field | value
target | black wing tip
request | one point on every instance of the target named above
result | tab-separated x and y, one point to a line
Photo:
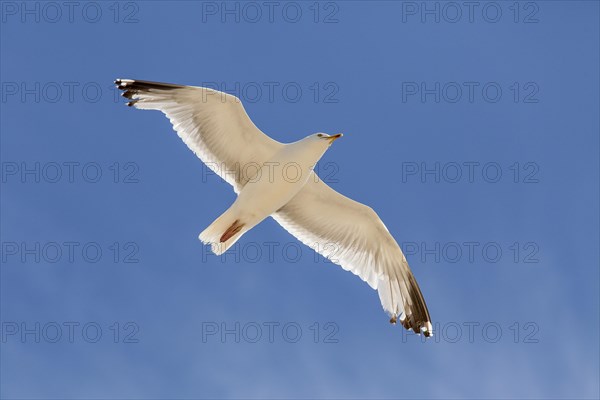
418	327
131	87
416	315
140	85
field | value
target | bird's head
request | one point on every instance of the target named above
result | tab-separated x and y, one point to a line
309	150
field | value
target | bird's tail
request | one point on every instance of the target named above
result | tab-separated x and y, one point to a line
224	232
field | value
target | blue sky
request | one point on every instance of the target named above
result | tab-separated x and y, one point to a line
472	131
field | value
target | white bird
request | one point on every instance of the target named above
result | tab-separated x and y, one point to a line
276	179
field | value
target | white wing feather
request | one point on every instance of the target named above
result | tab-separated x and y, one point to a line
352	235
213	124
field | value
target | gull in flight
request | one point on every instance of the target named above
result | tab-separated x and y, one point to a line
215	126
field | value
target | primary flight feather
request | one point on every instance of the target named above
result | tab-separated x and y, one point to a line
215	126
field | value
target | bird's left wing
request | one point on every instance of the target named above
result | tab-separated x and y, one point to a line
213	124
352	235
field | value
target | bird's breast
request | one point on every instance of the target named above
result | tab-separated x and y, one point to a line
275	184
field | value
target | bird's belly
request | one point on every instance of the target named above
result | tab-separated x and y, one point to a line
273	187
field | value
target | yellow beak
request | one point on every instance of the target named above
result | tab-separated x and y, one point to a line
334	137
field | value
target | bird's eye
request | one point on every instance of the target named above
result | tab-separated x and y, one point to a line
319	135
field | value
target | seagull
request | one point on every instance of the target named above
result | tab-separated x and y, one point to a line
277	179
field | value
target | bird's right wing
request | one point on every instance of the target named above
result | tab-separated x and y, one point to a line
213	124
352	235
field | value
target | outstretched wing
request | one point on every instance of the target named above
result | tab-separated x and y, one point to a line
213	124
352	235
